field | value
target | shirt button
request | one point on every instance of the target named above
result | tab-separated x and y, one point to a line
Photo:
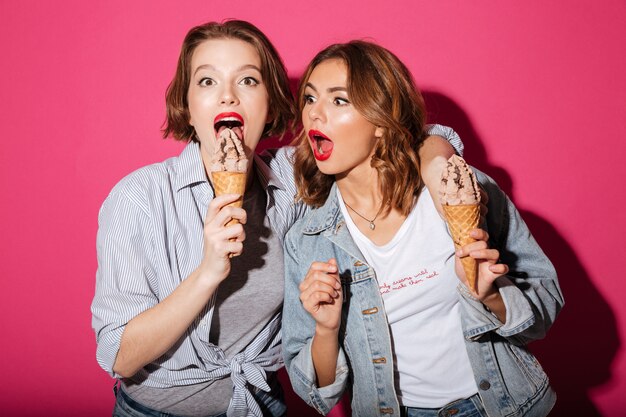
484	385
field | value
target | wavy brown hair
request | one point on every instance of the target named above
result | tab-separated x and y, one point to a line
281	103
381	88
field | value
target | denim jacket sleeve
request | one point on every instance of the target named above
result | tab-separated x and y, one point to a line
530	290
298	331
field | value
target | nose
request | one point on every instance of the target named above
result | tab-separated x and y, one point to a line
315	111
228	96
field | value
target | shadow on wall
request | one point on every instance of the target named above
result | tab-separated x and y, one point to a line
579	349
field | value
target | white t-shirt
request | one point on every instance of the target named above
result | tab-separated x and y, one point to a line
415	273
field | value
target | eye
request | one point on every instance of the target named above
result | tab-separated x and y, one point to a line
206	81
249	81
340	101
309	99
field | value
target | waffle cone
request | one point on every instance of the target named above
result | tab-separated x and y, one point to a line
461	219
227	182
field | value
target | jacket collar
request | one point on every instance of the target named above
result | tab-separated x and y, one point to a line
328	221
328	216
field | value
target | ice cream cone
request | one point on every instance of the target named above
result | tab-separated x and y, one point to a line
227	182
461	219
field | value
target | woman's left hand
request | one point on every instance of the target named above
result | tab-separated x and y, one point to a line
488	268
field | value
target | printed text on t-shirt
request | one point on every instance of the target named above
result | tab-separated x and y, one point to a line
416	279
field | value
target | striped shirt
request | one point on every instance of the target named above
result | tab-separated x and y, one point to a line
150	238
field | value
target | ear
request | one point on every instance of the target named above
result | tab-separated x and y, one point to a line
378	133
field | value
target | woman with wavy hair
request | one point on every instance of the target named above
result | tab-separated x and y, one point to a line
375	297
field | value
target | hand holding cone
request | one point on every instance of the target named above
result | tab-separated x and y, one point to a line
460	198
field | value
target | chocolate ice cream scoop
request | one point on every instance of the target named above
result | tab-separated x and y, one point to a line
229	154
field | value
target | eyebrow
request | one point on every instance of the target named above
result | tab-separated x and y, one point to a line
330	90
241	68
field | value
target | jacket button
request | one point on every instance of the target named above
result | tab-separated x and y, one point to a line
380	360
372	310
358	263
484	385
386	410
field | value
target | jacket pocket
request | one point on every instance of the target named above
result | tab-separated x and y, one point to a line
521	372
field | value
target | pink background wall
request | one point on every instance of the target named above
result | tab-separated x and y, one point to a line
536	89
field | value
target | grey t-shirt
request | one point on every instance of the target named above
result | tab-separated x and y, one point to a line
246	301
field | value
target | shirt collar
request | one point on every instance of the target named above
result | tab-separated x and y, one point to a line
189	169
262	165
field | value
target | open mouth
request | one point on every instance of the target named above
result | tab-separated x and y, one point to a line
321	144
232	121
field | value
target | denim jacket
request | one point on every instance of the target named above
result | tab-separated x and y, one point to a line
510	380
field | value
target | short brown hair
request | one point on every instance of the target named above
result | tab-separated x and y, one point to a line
381	88
281	105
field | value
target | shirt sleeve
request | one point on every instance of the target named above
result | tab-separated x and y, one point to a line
125	279
448	134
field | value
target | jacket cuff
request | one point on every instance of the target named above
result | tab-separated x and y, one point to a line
478	320
519	312
325	398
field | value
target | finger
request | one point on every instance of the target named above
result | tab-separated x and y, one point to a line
314	277
499	269
313	300
324	267
485	255
315	297
219	202
465	250
227	214
319	286
479	234
234	233
233	248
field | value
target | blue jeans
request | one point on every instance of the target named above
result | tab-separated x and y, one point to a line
469	407
272	403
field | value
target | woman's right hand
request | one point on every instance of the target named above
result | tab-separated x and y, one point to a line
221	242
321	294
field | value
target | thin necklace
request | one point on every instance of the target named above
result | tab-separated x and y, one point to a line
372	225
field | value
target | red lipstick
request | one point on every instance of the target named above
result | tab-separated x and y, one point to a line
320	143
228	115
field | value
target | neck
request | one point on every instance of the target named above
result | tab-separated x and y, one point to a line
361	191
